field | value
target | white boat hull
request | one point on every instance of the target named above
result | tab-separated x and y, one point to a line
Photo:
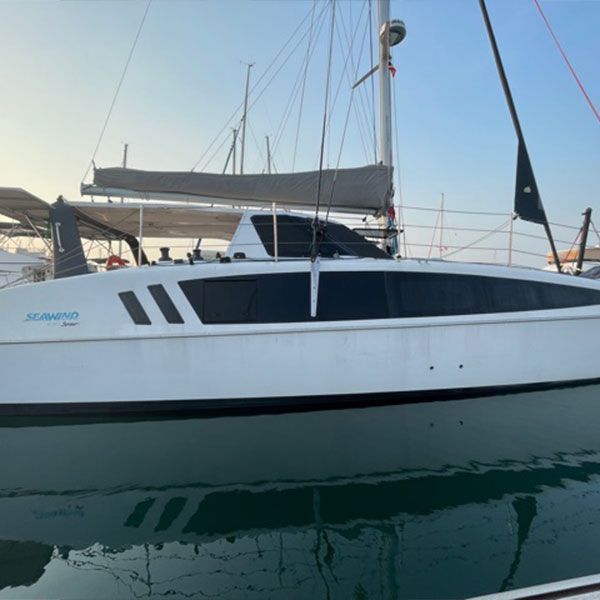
94	358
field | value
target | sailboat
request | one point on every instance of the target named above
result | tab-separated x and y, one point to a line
299	312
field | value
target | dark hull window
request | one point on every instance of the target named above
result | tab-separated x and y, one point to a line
134	308
285	297
162	298
294	238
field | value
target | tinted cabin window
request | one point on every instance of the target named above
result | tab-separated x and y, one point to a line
233	301
345	296
432	295
294	238
285	298
512	295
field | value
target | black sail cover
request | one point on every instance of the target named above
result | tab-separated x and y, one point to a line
362	189
528	203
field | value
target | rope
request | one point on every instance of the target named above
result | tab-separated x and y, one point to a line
567	61
114	100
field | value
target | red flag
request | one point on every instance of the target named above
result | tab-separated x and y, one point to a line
391	68
392	213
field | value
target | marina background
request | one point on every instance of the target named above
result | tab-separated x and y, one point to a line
454	130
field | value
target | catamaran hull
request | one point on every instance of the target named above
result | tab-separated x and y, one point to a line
109	343
287	368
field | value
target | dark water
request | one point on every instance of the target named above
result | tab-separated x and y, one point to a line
440	500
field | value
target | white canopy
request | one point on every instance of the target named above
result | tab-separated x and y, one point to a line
99	219
105	220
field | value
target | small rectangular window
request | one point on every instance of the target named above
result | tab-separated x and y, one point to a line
352	296
230	301
162	298
134	308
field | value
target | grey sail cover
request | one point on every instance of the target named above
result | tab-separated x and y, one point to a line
363	189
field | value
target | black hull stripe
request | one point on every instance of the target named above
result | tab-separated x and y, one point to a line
254	406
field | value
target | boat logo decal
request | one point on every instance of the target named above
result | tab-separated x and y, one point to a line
65	319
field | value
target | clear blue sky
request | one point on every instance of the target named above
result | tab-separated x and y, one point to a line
61	62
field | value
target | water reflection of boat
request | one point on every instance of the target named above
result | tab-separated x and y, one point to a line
306	502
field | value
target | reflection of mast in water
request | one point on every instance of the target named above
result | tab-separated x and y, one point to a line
526	512
213	506
364	539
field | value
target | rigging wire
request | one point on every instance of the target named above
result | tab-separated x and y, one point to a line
287	112
361	119
258	147
258	81
400	215
372	56
349	54
324	130
487	235
595	230
114	100
350	104
307	59
567	61
437	220
285	61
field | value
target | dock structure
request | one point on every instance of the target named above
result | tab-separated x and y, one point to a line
581	588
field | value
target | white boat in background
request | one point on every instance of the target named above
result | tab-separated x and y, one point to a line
22	266
298	312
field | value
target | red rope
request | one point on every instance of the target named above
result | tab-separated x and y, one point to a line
567	60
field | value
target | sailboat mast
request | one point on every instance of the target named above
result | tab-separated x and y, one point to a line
245	117
390	33
385	100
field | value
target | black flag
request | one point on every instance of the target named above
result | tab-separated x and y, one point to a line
528	203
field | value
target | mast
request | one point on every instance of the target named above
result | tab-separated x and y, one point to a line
125	149
385	101
584	234
441	222
268	155
390	34
528	202
245	117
